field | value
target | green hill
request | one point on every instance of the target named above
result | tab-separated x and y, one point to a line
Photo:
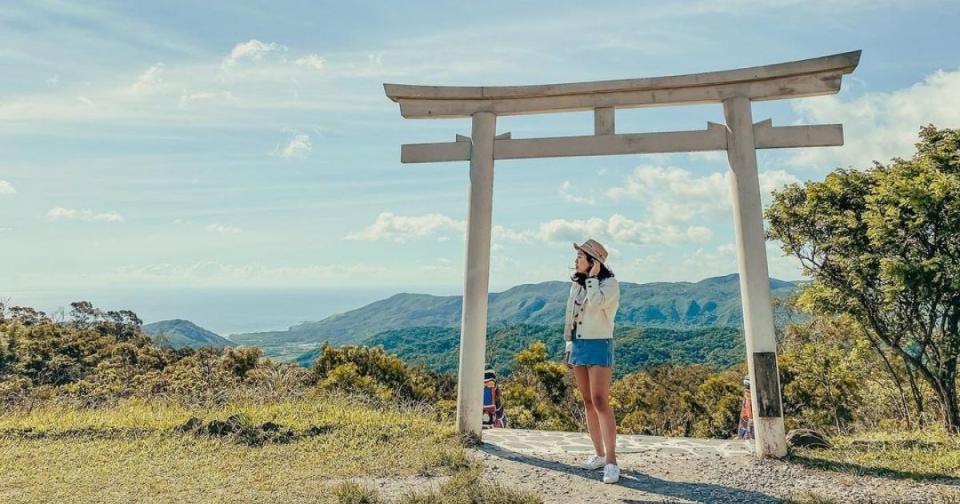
180	333
671	305
437	348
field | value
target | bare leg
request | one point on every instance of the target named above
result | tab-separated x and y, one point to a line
593	424
600	379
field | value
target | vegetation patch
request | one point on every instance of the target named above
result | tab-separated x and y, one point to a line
932	455
240	429
469	487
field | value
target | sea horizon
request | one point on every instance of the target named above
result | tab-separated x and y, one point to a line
223	310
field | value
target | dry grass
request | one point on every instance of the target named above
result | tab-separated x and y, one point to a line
132	453
930	455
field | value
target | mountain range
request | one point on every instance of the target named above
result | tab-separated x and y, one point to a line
670	305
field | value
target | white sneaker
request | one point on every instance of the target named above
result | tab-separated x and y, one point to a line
595	462
611	473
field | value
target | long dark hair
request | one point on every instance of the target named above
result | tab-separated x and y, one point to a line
581	278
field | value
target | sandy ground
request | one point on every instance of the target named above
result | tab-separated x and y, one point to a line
655	476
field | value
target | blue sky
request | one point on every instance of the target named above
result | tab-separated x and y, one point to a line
247	145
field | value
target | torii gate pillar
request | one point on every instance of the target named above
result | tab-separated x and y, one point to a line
473	328
754	280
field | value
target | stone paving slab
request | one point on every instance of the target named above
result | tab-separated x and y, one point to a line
537	441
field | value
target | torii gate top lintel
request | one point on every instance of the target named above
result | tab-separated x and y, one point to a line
794	79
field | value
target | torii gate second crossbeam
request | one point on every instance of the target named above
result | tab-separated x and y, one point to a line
740	137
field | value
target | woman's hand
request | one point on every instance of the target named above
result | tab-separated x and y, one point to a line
595	270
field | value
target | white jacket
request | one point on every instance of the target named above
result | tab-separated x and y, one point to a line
599	310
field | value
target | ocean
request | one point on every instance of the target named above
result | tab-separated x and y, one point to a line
223	311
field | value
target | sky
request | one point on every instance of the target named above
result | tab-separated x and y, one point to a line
250	145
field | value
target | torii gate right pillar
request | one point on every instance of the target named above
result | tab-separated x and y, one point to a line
758	329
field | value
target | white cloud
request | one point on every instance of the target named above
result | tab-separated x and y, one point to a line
774	180
298	147
254	79
204	97
502	233
879	126
699	233
567	194
150	81
222	229
6	187
312	61
562	230
719	260
673	195
53	81
702	262
252	50
399	228
646	267
60	213
722	260
617	228
621	229
614	253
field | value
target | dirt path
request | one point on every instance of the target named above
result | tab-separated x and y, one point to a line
680	470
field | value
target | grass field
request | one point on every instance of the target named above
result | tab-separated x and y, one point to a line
910	455
134	453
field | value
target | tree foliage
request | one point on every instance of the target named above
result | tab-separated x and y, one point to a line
97	357
376	373
883	246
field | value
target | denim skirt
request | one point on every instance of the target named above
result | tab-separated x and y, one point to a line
592	352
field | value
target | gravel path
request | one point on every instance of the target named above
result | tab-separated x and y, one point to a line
655	470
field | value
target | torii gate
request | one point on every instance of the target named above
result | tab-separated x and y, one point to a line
740	137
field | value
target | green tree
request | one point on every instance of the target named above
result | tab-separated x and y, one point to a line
367	365
883	245
719	400
824	367
242	360
662	401
540	394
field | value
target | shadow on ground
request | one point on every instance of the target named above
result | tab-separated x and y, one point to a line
636	480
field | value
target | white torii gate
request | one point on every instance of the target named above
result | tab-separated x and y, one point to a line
740	137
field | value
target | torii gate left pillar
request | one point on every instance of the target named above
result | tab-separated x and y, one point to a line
473	325
740	137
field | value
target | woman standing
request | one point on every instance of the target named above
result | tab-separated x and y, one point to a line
588	329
